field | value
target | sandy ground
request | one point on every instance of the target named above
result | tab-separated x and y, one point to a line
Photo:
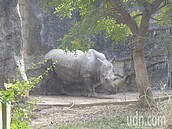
67	109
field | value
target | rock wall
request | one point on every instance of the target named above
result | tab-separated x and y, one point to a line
40	30
31	27
10	41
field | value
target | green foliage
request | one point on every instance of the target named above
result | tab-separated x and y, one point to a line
69	43
98	15
21	115
137	19
165	17
17	92
93	19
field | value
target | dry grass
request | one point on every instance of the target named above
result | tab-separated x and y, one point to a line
166	108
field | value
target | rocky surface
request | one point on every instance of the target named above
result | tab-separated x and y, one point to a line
40	30
10	41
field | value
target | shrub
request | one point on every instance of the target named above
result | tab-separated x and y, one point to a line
16	93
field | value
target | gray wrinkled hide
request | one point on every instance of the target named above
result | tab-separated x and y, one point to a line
77	66
71	66
10	41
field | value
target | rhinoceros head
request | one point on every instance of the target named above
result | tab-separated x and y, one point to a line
107	78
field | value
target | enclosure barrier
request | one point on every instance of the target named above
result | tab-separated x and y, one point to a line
5	115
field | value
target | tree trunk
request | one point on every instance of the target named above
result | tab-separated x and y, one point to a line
170	69
142	79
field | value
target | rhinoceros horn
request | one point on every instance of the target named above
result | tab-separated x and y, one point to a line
120	81
111	61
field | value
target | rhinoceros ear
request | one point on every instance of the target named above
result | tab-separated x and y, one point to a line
111	61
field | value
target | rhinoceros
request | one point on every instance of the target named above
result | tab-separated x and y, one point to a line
90	68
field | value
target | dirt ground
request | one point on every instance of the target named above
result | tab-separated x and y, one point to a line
68	109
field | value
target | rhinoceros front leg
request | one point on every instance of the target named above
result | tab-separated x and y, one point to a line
44	84
62	90
89	88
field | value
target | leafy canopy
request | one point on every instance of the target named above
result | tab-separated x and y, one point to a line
165	17
103	15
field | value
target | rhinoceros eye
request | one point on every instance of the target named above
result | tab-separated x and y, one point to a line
114	79
107	78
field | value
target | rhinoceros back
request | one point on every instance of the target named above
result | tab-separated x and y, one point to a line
68	64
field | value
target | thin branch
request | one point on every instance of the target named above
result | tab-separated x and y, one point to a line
154	6
151	65
164	5
148	67
155	19
128	20
97	24
111	13
137	15
118	18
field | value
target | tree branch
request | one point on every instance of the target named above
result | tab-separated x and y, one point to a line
128	20
154	6
148	67
118	18
164	5
137	15
152	65
149	10
155	19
